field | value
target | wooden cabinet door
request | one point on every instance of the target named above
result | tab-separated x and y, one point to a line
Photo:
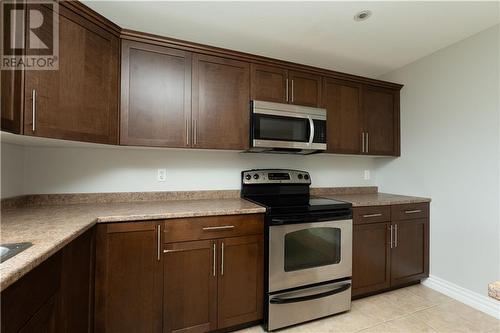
381	121
370	258
410	254
268	83
128	278
221	103
305	89
77	285
342	101
190	287
155	96
79	101
44	320
240	280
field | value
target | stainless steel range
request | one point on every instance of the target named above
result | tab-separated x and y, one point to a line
308	248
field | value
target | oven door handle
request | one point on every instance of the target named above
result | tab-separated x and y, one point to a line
277	300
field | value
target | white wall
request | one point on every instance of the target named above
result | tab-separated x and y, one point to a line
450	152
76	170
12	170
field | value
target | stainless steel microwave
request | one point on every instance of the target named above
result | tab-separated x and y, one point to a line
287	128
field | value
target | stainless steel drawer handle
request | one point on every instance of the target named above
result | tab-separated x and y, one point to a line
392	234
33	109
413	211
158	242
213	258
222	259
176	250
396	235
278	300
372	215
222	227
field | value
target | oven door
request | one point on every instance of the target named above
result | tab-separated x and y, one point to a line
306	253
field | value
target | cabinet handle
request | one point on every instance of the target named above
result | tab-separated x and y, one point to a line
362	142
158	242
222	227
222	259
213	258
195	139
286	90
413	211
367	143
396	235
187	131
292	92
391	235
33	109
372	215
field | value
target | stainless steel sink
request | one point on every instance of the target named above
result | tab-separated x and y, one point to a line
9	250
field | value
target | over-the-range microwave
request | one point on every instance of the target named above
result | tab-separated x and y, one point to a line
287	128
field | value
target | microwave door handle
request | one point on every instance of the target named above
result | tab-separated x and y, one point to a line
311	131
277	300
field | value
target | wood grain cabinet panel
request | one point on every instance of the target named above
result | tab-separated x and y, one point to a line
305	88
79	101
342	101
410	254
268	83
128	278
381	121
221	97
371	214
155	96
371	265
240	283
190	287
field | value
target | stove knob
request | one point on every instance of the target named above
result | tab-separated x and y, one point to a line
248	177
306	177
300	176
256	176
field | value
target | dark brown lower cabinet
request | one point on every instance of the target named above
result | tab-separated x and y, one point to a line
128	278
190	287
391	253
56	296
371	266
410	254
240	280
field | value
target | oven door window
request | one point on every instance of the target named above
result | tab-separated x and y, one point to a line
312	247
278	128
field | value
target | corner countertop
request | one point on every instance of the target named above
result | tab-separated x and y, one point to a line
50	228
376	199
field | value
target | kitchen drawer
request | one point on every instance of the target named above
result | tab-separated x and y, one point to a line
410	211
371	214
212	227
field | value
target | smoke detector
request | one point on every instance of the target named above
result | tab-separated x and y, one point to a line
362	15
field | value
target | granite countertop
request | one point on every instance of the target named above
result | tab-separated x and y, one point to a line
50	228
376	199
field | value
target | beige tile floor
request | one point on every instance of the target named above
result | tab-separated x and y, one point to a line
412	309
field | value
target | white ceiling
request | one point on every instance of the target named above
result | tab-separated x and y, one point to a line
321	34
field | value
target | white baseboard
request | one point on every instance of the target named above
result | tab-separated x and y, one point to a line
477	301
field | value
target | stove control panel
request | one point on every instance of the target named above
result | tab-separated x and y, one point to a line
275	176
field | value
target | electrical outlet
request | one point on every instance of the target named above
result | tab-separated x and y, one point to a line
366	175
162	175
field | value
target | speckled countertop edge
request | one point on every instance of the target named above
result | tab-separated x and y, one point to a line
53	227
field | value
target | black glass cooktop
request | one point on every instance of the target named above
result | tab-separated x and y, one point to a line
297	203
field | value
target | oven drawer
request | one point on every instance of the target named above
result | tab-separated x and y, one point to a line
410	211
212	227
302	305
371	214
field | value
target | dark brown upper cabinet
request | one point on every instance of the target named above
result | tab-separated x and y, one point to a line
381	132
268	83
305	88
276	84
79	101
155	96
221	96
342	101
